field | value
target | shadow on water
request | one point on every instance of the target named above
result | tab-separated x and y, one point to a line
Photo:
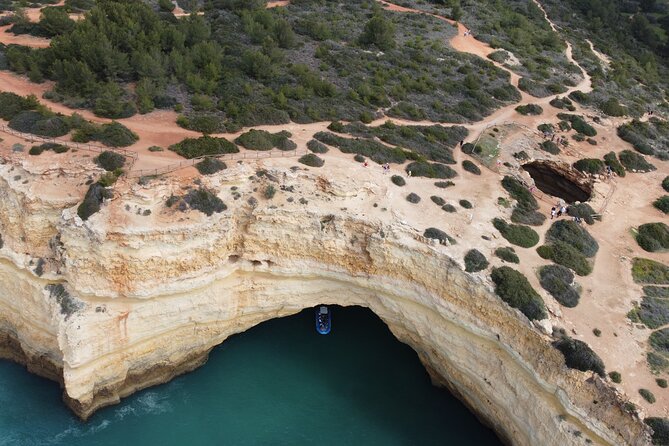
280	383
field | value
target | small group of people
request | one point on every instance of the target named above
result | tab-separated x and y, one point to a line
386	168
468	33
559	210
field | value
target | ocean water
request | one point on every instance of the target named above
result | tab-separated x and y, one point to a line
279	383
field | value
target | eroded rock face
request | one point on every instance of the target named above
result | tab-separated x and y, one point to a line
142	304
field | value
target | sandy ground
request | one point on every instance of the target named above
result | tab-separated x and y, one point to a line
608	292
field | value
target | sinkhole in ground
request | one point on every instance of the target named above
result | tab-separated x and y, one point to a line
552	180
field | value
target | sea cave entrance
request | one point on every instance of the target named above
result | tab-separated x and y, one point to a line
559	182
279	382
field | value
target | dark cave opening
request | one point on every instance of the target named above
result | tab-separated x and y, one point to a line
551	181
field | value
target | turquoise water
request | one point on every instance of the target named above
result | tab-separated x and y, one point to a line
279	383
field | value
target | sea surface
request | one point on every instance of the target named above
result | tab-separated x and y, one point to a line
280	383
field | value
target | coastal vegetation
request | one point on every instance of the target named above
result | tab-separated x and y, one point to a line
653	237
519	235
514	289
559	282
311	160
210	166
203	146
438	234
578	355
475	261
507	254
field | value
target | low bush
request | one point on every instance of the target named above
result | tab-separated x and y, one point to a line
530	109
270	192
438	234
550	147
647	395
376	151
611	160
514	289
430	170
57	148
656	291
589	165
578	355
413	198
612	107
438	200
317	146
115	134
205	145
92	200
444	184
662	204
475	261
653	237
646	271
563	103
471	167
311	160
110	161
205	201
525	216
519	235
578	123
397	180
359	158
566	255
12	104
507	255
264	140
665	183
634	162
583	211
659	340
155	149
615	377
558	281
210	166
661	382
657	363
519	192
449	208
465	204
521	156
572	233
653	312
660	428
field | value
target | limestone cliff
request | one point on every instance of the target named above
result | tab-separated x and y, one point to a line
127	301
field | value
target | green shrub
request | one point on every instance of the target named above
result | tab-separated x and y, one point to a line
572	233
116	134
550	147
589	165
270	192
92	200
311	160
155	149
398	180
475	261
612	107
660	428
317	146
57	148
566	255
471	167
12	104
656	362
562	103
615	377
584	211
210	166
578	355
656	291
507	255
611	160
525	216
465	204
515	290
437	234
530	109
263	140
578	124
558	281
110	161
519	192
39	123
647	395
633	161
661	382
438	200
521	156
413	198
205	145
430	170
662	204
449	208
374	150
665	183
653	237
359	158
597	332
205	201
519	235
646	271
444	184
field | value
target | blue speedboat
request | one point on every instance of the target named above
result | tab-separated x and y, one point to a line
323	319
